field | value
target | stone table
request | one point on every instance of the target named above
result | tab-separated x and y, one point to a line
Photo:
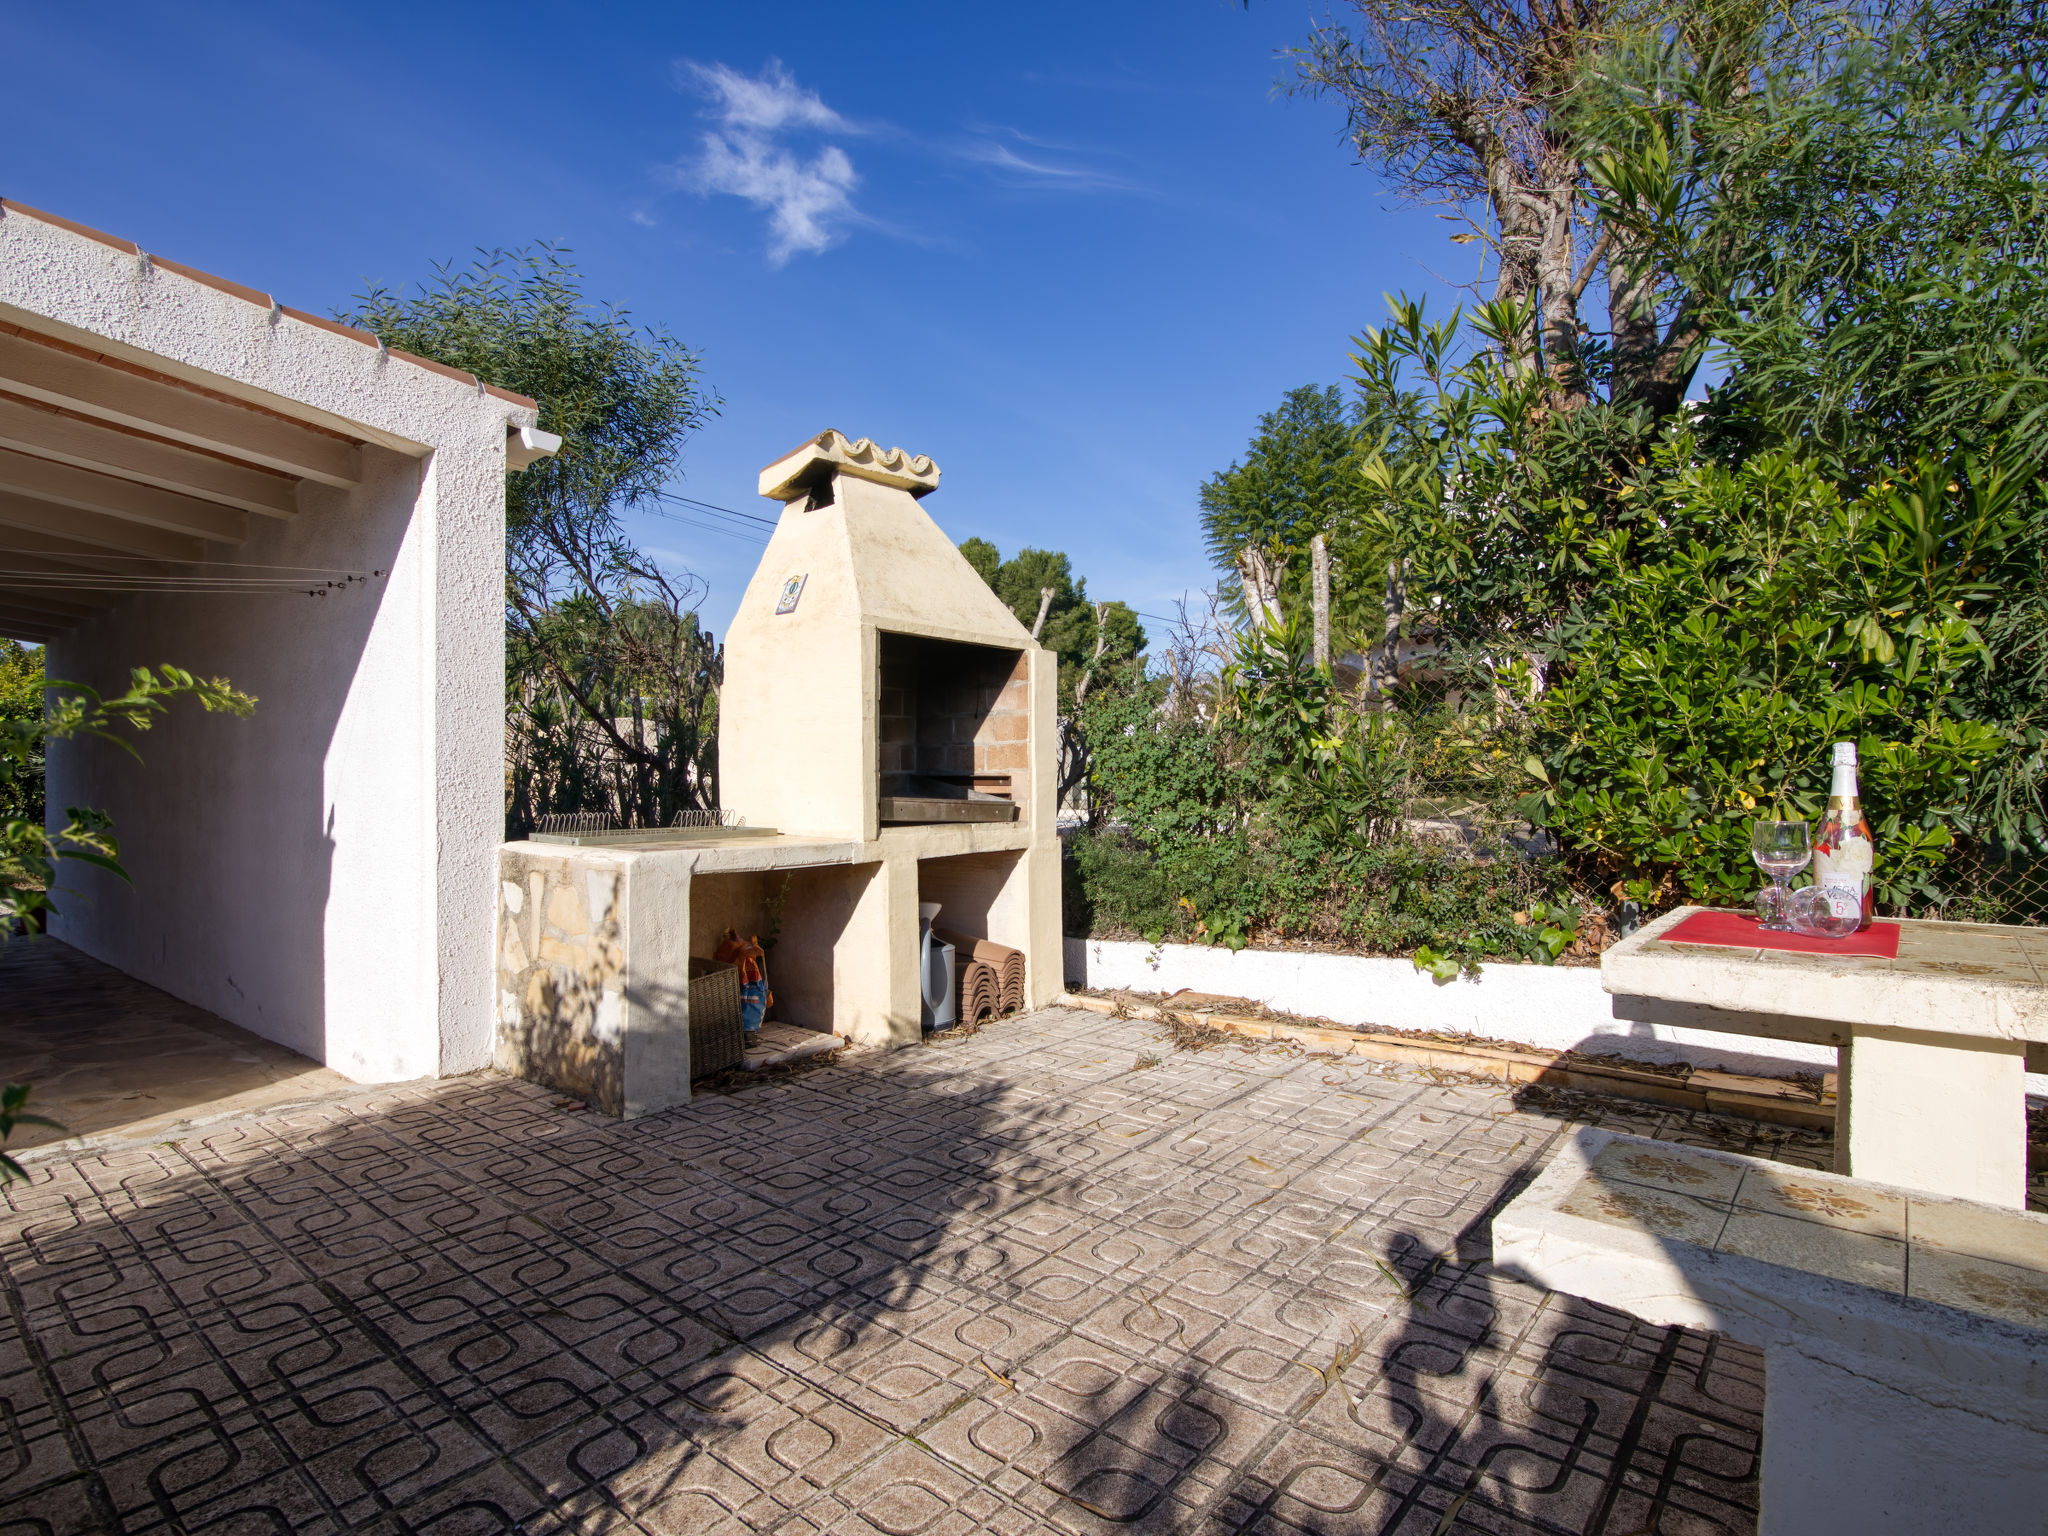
1935	1043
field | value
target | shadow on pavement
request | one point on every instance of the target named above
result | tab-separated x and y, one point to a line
1018	1281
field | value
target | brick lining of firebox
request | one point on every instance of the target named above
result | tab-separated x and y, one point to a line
956	712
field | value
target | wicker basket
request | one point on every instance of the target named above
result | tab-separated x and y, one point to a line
715	1043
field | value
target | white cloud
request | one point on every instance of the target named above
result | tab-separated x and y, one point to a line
808	199
1004	160
768	102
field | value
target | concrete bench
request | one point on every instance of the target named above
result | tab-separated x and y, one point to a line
1905	1335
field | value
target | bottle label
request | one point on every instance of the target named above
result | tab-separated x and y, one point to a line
1843	875
1844	896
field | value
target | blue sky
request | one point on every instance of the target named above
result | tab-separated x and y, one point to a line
1069	250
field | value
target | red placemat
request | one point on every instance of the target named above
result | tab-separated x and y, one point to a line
1738	930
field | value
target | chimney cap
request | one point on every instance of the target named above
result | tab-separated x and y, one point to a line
830	453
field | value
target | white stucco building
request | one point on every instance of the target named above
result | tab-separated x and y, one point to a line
323	873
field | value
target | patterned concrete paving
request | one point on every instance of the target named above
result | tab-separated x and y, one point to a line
113	1059
1024	1281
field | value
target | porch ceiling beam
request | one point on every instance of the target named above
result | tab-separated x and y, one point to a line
82	557
57	615
69	486
96	528
95	387
28	624
68	440
72	606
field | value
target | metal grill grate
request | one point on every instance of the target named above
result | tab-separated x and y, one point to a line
576	821
708	819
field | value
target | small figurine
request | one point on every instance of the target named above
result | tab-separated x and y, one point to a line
755	998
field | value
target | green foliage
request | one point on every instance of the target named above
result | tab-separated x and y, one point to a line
612	684
624	399
1071	628
1276	821
1638	623
29	853
652	672
1489	497
21	701
1746	621
13	1112
1299	478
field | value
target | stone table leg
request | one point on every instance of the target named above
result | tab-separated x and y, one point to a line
1943	1113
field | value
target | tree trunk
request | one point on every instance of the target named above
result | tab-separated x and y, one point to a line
1319	555
1559	294
1044	607
1385	664
1631	318
1259	574
1519	241
1095	660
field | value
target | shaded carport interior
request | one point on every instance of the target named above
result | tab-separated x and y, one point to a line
143	497
116	477
116	472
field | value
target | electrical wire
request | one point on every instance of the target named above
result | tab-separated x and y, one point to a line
712	506
746	534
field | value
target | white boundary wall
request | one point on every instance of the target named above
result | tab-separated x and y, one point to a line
1558	1007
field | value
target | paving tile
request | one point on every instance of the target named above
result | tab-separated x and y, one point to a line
63	1508
1174	1299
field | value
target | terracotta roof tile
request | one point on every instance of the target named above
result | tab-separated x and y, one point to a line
238	290
257	297
73	225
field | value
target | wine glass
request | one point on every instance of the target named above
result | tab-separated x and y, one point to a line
1813	914
1781	849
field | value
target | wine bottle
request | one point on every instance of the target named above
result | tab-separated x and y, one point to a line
1843	853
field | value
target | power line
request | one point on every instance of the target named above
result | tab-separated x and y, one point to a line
712	506
746	534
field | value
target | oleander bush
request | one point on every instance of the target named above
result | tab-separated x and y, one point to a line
1630	625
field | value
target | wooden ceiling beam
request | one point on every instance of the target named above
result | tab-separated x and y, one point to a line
30	628
68	605
46	434
96	528
82	557
92	386
69	486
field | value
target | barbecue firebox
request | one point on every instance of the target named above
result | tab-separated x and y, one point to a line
885	714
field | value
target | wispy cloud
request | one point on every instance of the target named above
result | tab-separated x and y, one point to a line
777	144
808	198
1038	168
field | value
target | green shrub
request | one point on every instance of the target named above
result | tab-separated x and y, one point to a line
1747	620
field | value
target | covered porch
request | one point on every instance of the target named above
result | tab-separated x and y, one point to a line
193	473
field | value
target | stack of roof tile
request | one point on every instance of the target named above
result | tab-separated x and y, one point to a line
1005	962
981	992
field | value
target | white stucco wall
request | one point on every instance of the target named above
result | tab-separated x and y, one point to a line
1557	1007
324	873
